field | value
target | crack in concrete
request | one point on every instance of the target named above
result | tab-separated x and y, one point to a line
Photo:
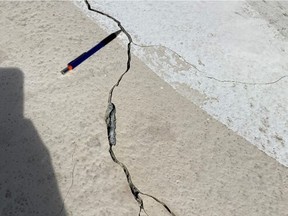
128	46
210	77
248	83
110	119
72	180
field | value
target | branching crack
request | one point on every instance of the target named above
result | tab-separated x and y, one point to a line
111	123
210	77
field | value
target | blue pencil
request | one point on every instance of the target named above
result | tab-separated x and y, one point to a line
73	64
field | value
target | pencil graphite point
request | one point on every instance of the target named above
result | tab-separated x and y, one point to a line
64	71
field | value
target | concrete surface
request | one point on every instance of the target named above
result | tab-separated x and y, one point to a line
227	57
173	149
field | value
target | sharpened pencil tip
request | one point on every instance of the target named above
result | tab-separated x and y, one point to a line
118	32
65	70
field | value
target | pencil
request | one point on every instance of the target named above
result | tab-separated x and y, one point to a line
77	61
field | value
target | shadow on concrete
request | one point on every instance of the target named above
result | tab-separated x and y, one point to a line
28	185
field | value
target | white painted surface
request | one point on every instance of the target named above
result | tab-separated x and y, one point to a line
205	44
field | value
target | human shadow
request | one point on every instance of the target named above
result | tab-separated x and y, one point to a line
28	185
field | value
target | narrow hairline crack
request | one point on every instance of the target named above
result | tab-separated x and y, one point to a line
210	77
192	65
72	180
110	118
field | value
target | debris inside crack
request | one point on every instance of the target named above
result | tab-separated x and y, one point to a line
111	123
110	119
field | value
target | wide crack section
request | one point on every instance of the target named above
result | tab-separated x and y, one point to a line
110	119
